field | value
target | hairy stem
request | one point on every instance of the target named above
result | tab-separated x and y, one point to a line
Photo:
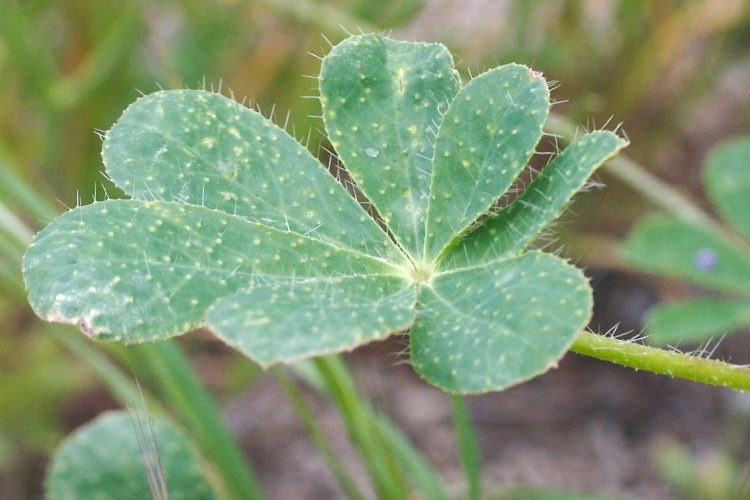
675	364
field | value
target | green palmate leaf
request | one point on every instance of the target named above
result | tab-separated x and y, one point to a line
694	254
237	227
492	326
196	147
485	140
383	101
727	179
130	271
696	320
509	231
288	321
105	459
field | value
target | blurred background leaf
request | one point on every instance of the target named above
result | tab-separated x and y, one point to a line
716	259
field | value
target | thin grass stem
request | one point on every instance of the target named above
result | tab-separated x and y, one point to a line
295	397
468	446
384	471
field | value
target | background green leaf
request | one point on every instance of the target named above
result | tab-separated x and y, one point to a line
103	460
695	320
673	247
382	103
727	178
489	327
283	322
484	141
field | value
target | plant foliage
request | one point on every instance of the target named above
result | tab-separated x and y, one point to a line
233	225
107	459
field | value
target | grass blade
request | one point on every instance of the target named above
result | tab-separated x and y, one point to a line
295	397
468	446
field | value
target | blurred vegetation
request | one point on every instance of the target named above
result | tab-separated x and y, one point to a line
675	72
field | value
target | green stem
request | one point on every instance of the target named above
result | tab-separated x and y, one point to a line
412	462
120	385
17	190
12	225
180	386
320	14
675	364
380	464
415	466
11	282
468	446
658	191
295	397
